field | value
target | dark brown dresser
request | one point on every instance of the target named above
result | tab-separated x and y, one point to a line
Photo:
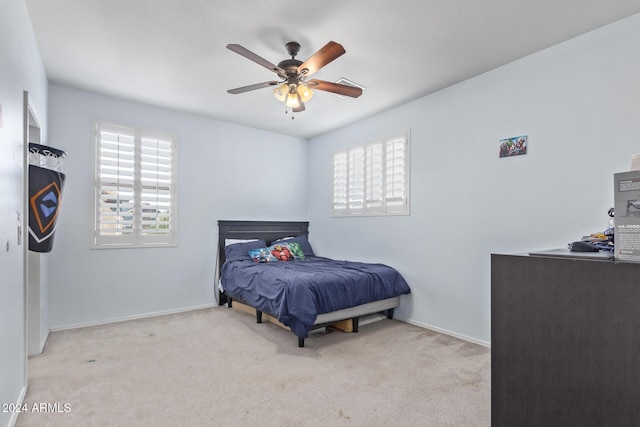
565	341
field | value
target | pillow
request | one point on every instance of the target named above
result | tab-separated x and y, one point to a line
261	255
302	240
281	251
241	250
295	249
228	242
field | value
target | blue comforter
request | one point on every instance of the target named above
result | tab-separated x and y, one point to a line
297	291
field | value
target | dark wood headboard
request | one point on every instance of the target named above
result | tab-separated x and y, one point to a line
265	230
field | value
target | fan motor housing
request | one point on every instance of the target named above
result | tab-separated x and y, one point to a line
293	48
290	65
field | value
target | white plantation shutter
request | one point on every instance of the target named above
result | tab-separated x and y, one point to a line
116	167
155	195
356	179
135	187
396	169
375	178
372	179
340	182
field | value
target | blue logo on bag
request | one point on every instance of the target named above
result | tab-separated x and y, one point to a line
47	202
48	209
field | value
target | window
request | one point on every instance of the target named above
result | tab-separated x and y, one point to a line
135	187
372	179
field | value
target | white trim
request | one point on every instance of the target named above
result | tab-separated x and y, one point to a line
213	305
43	341
14	415
444	331
134	317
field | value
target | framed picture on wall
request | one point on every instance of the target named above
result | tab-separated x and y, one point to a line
514	146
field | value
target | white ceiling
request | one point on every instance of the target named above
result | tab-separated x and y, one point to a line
172	53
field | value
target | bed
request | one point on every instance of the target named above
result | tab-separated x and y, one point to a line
301	290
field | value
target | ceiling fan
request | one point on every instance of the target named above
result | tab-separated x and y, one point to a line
294	89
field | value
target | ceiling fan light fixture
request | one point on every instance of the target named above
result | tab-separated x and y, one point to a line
293	100
281	92
293	89
305	93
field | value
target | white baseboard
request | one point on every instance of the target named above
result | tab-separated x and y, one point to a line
199	307
444	331
134	317
43	341
14	415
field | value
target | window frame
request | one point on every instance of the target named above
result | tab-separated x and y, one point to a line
371	177
138	238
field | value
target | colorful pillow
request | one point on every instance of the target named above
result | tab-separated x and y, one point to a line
302	240
239	250
281	252
262	255
295	249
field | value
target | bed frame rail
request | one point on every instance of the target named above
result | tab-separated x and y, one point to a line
390	303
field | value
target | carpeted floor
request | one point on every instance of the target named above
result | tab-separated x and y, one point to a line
217	367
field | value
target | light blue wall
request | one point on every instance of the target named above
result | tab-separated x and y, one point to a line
20	69
579	103
226	171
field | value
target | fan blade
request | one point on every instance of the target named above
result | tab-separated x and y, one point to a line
252	87
345	90
328	53
255	58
